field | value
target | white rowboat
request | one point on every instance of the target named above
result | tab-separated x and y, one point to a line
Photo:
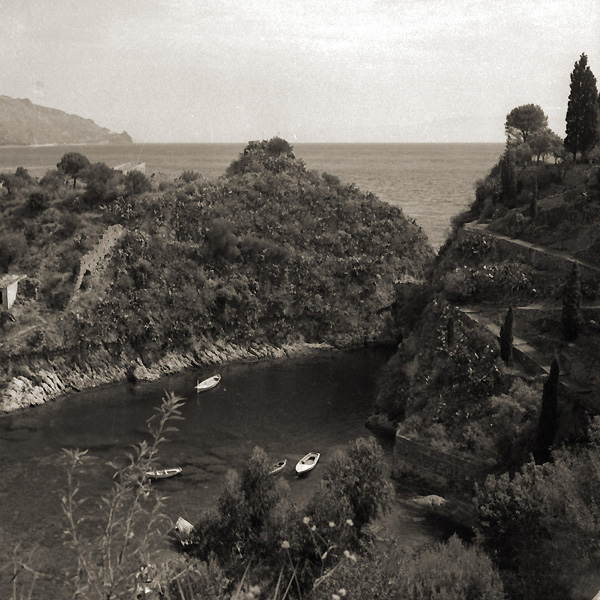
208	384
307	463
278	467
164	473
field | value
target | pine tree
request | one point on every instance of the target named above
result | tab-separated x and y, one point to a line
506	338
583	130
548	424
571	317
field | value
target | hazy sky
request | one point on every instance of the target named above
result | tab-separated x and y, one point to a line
306	70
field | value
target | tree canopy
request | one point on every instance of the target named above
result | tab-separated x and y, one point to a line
583	128
72	163
522	121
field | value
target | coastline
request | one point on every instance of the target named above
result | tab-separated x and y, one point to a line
43	379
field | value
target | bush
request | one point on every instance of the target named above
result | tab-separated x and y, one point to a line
189	176
38	201
448	571
12	247
135	183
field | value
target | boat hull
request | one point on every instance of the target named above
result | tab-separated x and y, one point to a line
163	473
278	467
307	463
208	384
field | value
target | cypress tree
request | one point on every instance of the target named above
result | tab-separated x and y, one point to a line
506	338
583	130
533	205
571	316
508	179
548	424
450	332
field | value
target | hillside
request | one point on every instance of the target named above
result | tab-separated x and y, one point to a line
23	123
491	380
269	254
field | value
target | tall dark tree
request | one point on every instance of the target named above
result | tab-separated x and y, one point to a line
571	309
508	179
506	337
548	423
522	121
72	163
450	332
583	129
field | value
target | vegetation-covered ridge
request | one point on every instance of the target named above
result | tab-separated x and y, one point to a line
499	359
269	253
23	123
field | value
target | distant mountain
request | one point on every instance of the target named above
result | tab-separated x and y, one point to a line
23	123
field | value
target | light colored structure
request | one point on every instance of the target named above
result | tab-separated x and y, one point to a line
8	290
128	167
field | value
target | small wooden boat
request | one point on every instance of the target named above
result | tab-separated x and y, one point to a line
164	473
208	384
307	463
280	466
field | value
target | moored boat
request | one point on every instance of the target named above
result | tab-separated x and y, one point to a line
163	473
208	384
307	463
276	468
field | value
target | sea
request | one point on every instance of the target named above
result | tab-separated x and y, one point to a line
430	182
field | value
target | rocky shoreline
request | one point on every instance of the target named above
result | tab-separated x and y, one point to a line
41	379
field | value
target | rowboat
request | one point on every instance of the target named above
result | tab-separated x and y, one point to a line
307	463
163	473
278	467
208	384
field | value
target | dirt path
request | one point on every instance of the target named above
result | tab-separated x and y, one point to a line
483	229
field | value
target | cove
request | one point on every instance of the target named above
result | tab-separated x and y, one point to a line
287	407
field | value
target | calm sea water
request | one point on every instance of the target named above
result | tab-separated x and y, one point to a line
431	182
287	407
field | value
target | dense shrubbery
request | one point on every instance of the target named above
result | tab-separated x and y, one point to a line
273	252
493	282
541	525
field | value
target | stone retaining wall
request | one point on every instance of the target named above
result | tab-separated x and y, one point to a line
416	458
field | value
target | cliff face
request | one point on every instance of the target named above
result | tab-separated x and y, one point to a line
24	123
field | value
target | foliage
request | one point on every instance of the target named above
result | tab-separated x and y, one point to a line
508	179
129	516
135	182
543	142
38	200
12	247
255	517
450	570
358	477
506	337
100	183
523	121
571	305
189	176
72	164
542	525
488	283
583	126
548	424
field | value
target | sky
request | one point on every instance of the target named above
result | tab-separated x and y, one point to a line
305	70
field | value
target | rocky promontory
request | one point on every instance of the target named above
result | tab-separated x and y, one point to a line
23	123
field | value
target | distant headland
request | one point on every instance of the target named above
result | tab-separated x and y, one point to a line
23	123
